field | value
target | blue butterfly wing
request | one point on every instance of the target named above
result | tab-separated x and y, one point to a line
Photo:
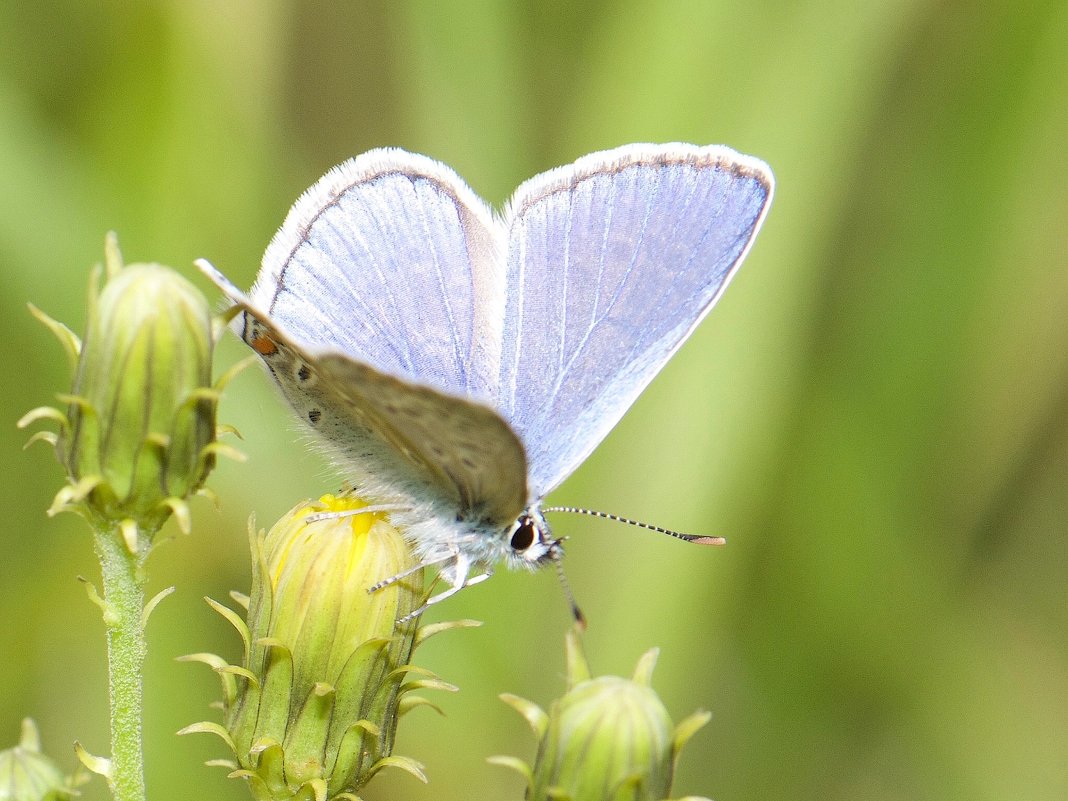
378	311
611	263
404	443
392	260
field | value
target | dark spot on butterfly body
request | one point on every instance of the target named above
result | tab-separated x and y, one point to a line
304	373
314	415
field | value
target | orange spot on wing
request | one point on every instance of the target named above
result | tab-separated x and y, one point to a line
264	345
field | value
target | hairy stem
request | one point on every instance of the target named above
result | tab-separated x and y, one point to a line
123	603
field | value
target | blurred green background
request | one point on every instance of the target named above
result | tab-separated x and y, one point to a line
876	415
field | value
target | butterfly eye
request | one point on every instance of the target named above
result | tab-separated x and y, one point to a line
524	535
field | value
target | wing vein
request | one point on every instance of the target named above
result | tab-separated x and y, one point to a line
621	287
367	313
565	287
456	349
383	284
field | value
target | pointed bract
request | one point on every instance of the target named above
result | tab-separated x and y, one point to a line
326	663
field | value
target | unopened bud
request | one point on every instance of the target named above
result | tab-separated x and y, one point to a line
607	739
28	775
138	433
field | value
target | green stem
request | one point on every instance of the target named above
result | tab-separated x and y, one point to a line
123	604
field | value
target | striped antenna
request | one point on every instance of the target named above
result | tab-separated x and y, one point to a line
699	539
556	553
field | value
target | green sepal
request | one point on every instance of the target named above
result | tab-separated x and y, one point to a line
71	343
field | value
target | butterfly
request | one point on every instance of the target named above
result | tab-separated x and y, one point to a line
461	364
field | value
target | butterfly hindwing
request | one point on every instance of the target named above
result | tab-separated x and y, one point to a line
466	445
611	263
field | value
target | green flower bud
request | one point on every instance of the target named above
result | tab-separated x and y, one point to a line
313	710
138	434
607	739
28	775
138	417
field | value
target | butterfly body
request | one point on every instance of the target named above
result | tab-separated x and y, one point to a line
461	364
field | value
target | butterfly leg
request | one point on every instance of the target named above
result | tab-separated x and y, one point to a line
378	585
441	596
456	573
364	510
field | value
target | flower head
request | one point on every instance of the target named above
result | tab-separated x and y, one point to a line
137	436
607	739
28	775
312	711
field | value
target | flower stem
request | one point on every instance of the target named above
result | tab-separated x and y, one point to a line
123	604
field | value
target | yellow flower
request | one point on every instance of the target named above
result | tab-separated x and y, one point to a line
313	710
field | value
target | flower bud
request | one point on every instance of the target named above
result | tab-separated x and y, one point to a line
28	775
607	739
313	711
137	438
137	419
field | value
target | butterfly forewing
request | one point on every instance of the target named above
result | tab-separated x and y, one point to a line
391	259
401	442
611	262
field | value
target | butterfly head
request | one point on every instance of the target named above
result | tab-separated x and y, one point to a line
531	542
